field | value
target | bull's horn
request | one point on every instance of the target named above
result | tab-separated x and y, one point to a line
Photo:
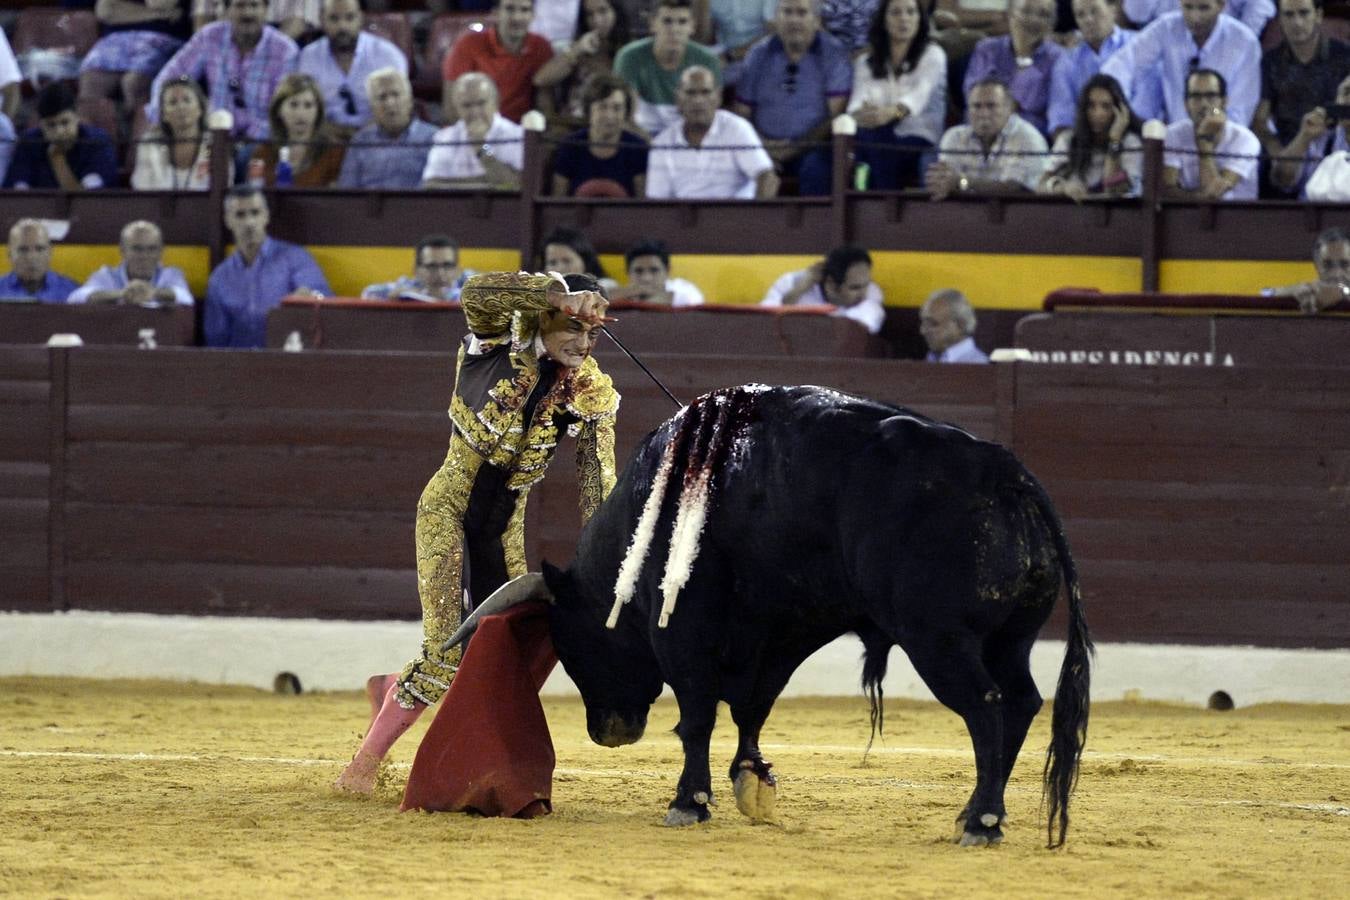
529	586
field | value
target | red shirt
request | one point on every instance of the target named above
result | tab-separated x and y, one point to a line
481	51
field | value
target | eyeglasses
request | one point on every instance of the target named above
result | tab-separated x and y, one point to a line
790	83
348	101
1194	62
237	92
1207	96
439	266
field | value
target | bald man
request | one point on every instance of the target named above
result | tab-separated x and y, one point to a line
30	256
140	279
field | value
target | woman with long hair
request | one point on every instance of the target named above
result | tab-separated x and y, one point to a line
601	31
1103	154
176	154
568	251
313	147
899	95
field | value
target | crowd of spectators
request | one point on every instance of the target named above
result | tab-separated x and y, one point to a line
307	84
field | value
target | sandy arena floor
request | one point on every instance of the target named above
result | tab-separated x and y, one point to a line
140	789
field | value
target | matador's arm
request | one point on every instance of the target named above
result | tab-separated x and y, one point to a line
491	299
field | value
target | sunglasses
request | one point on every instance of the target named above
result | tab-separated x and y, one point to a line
348	100
790	83
237	92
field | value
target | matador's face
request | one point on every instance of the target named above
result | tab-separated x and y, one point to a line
569	339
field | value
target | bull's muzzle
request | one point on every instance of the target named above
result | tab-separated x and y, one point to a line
613	729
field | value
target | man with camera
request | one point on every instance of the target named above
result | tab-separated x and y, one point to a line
1208	157
1298	77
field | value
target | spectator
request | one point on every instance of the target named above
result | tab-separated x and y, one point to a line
687	160
437	275
175	155
140	279
1209	157
997	153
1199	36
1023	59
301	135
601	31
568	251
1103	154
137	40
947	323
10	80
791	88
654	66
1297	77
1331	257
1100	37
606	151
30	253
899	95
482	149
850	20
1252	13
299	20
506	52
842	279
641	15
1330	182
62	152
342	60
242	61
734	27
649	278
391	152
256	277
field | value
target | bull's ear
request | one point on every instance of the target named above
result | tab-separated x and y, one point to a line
559	583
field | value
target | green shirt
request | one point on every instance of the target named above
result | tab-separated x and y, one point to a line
655	86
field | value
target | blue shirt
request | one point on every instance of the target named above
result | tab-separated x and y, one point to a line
55	288
1029	85
115	278
1231	50
573	160
239	296
789	99
7	137
349	109
1072	71
375	160
92	160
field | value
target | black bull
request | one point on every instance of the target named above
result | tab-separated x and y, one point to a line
825	514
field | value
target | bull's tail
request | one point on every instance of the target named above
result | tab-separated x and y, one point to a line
1069	720
876	654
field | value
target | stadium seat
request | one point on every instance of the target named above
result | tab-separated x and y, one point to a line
445	30
71	31
395	27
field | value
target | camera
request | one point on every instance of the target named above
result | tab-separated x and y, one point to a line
1337	112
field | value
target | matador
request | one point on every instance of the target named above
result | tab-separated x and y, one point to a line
524	375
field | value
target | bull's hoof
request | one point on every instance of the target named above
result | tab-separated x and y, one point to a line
756	792
681	817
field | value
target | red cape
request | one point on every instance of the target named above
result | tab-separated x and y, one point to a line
488	749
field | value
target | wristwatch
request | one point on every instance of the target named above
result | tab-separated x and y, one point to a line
484	151
963	184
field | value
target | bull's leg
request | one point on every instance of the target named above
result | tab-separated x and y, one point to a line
1009	661
952	668
698	714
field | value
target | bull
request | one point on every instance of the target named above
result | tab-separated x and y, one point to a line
759	524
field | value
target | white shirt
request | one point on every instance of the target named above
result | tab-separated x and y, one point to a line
923	90
676	172
453	155
115	278
1131	161
683	293
556	20
155	170
372	52
870	312
1330	183
963	351
9	66
1017	154
1179	152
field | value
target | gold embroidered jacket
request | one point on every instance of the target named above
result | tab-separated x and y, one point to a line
496	371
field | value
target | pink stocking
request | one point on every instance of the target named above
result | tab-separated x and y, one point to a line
393	720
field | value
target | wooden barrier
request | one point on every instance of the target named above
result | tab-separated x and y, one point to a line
354	324
25	323
1205	505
